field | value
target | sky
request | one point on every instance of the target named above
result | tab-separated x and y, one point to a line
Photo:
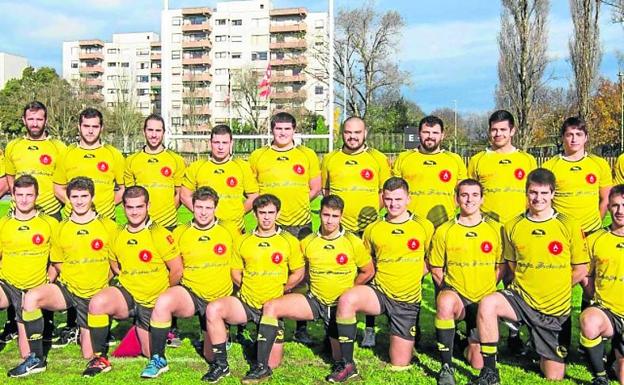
448	47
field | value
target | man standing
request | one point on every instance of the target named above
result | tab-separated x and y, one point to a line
546	249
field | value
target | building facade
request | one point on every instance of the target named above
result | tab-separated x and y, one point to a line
11	67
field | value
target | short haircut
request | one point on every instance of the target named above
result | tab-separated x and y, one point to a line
265	200
353	118
430	121
501	116
154	117
135	192
395	183
573	122
283	117
89	113
221	129
80	183
616	190
469	182
26	181
205	193
35	106
541	176
333	202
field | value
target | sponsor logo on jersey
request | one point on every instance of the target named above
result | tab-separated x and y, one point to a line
97	244
165	171
504	161
170	239
102	166
152	160
486	246
132	242
620	245
203	238
351	162
219	249
555	247
219	171
37	239
89	156
445	176
575	168
32	147
367	174
471	234
299	169
145	255
23	228
342	258
538	232
329	247
45	159
429	163
519	174
264	244
413	244
277	258
398	232
591	178
282	158
82	232
231	181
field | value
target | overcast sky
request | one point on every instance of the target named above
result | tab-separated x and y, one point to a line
449	46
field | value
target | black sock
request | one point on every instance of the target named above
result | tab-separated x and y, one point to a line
33	323
565	336
585	303
99	327
595	352
174	322
48	324
240	329
220	354
10	325
347	329
267	332
302	326
445	333
488	350
370	321
158	337
72	315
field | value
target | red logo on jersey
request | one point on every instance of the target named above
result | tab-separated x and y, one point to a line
342	259
299	169
486	247
231	181
102	166
367	174
277	258
219	249
170	239
37	239
555	247
445	175
590	178
97	244
413	244
166	171
519	174
145	255
45	159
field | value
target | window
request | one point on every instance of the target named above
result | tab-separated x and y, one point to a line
176	37
259	55
319	106
175	54
111	91
142	78
125	65
220	22
143	65
236	55
259	39
318	90
112	64
237	22
142	91
142	51
112	51
221	88
220	55
236	38
220	38
176	21
74	64
221	71
176	70
110	104
111	77
279	55
176	121
219	104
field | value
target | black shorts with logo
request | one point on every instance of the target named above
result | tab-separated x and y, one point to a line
470	314
403	316
80	304
617	322
325	312
545	329
254	315
15	297
140	313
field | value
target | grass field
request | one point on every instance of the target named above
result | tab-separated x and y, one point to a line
301	365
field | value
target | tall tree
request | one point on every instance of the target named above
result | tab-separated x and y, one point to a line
247	100
522	42
123	118
605	117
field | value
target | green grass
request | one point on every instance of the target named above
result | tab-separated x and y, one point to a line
301	365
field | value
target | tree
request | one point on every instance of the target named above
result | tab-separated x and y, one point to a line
387	115
522	45
123	118
247	100
604	123
553	106
585	50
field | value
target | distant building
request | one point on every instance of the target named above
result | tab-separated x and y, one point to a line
11	67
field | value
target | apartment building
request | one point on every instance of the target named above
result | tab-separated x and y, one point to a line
11	67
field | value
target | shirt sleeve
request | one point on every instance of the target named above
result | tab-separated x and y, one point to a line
396	167
250	184
236	262
500	243
178	175
165	244
56	249
462	172
509	249
437	252
362	256
120	162
56	253
578	246
325	171
471	172
295	260
188	179
384	168
129	179
619	170
314	169
60	175
606	179
8	167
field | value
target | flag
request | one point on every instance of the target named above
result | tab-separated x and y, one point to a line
265	83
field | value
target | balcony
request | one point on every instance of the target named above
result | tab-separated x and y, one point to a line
155	83
295	61
203	77
155	44
155	70
293	44
300	78
288	12
297	27
204	59
91	43
94	55
197	93
155	56
204	43
197	110
288	95
94	83
196	11
205	26
92	70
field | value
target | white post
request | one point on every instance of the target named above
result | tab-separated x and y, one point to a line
331	76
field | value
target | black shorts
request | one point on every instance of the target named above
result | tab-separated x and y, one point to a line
198	302
254	315
617	322
470	314
140	313
325	312
80	304
403	316
299	232
545	329
15	297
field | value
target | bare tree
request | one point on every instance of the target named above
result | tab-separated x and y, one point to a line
617	9
247	100
123	117
522	42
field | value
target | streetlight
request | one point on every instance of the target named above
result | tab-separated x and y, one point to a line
455	126
621	76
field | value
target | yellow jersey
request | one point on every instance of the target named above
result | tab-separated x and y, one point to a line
606	251
619	170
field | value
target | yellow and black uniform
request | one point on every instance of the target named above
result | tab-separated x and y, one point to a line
468	255
618	170
432	179
104	165
25	248
38	158
232	180
503	177
577	192
287	175
357	179
399	251
160	174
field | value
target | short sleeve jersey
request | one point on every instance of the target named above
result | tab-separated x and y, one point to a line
469	255
577	190
40	159
357	179
399	251
83	249
287	175
432	179
160	174
333	264
266	263
543	253
606	251
142	257
2	165
25	248
619	170
104	165
231	180
206	255
503	177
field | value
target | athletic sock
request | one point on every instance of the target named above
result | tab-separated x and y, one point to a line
158	336
174	322
72	316
347	329
370	321
565	336
595	351
267	332
33	323
445	333
302	326
488	350
220	354
99	325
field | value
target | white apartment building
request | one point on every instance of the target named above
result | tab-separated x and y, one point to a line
11	67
